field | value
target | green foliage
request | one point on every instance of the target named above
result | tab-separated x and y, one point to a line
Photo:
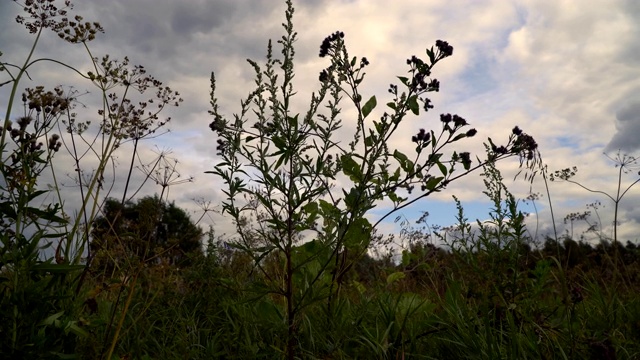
149	229
302	276
44	250
291	174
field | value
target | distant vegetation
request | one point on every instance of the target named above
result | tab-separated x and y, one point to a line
305	274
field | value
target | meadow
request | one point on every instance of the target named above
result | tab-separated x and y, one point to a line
306	273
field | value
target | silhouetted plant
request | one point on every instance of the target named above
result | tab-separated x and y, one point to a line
298	180
40	288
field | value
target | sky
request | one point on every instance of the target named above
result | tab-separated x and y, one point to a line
566	72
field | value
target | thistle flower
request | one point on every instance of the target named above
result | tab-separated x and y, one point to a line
444	48
516	131
459	121
328	41
445	118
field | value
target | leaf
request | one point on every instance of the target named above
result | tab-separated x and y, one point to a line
459	136
412	103
57	268
311	208
351	168
432	58
369	106
433	182
406	164
406	257
404	80
361	288
52	319
392	105
395	277
368	141
351	198
442	167
358	234
78	331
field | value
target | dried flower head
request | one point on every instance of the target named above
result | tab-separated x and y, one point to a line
444	48
328	41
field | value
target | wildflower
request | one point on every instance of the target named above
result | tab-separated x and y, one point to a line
434	85
459	121
465	159
444	48
471	132
445	118
24	121
54	144
422	136
516	131
326	43
427	104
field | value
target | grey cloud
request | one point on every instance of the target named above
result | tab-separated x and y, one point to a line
627	138
189	18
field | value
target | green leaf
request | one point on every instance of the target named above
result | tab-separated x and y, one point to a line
6	209
459	136
406	257
369	106
361	288
395	277
412	103
52	319
328	209
406	164
392	105
442	167
351	198
351	168
404	80
368	141
49	215
57	268
78	331
433	182
358	234
432	58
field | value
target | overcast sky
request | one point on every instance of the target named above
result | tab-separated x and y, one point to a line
566	72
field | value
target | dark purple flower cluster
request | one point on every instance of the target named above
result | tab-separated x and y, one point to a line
415	61
434	85
524	145
457	120
445	48
326	43
499	150
54	142
427	104
422	137
217	125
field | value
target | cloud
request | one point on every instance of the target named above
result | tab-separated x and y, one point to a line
627	137
566	73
